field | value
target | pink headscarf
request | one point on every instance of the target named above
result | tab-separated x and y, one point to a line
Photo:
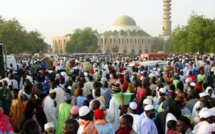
5	125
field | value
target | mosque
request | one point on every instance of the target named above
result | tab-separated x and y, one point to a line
124	36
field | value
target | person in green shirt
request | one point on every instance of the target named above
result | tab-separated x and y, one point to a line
64	113
5	97
201	77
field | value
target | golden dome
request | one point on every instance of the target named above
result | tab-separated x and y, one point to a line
124	21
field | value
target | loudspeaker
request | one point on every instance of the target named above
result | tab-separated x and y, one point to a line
2	70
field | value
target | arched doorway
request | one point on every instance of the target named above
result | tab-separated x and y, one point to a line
98	51
132	51
125	51
146	51
108	51
140	51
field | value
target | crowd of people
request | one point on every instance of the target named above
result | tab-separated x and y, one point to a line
76	97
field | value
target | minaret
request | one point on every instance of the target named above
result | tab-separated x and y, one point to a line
166	17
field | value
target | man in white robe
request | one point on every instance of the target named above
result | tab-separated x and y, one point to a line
59	94
148	125
205	126
203	97
50	108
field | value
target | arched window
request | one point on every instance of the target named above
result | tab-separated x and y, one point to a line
99	51
146	51
108	51
125	51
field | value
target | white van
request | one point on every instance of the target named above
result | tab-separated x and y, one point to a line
10	59
150	64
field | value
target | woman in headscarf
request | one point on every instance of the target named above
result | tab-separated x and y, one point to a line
5	125
16	111
210	91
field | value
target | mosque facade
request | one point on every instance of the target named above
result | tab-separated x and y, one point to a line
59	44
124	36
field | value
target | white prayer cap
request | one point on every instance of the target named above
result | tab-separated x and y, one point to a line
84	110
63	74
147	102
150	97
187	64
133	105
103	79
57	76
203	94
148	107
205	113
193	84
154	69
69	87
208	88
85	74
52	91
162	90
153	87
48	125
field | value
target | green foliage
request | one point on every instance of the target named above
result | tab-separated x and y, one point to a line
115	49
17	40
82	41
196	36
162	45
158	44
36	42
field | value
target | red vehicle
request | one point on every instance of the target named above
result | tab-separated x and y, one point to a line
153	56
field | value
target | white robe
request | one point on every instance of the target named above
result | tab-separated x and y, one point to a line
203	128
88	87
169	117
148	126
194	112
113	114
135	121
59	96
50	110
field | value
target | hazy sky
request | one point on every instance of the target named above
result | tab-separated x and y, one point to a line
58	17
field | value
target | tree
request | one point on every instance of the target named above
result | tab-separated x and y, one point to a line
158	44
17	40
36	42
13	35
82	41
115	49
196	36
